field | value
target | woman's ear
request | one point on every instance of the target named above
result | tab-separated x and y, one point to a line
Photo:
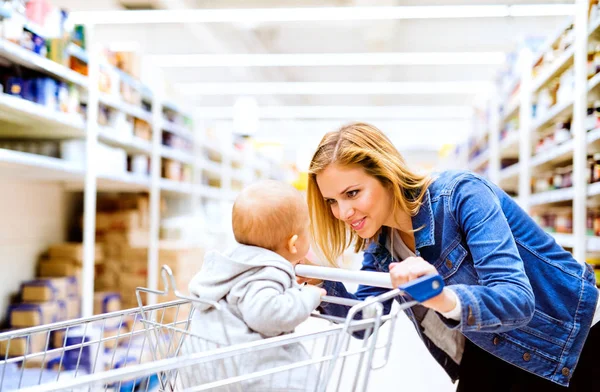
291	245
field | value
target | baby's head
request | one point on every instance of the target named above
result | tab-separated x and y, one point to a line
272	215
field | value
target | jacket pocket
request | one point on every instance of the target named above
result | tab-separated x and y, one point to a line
449	264
543	334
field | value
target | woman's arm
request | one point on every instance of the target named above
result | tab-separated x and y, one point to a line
504	299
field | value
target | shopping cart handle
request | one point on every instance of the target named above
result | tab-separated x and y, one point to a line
424	288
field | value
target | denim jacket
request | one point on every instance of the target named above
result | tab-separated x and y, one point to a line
523	297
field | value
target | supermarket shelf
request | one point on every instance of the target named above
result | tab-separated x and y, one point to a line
594	28
509	146
552	39
568	241
210	192
177	129
594	82
77	52
176	155
238	175
509	173
131	144
511	109
593	189
36	120
554	155
29	59
23	165
563	151
175	188
558	110
123	182
479	161
593	244
127	108
558	67
564	240
209	166
549	197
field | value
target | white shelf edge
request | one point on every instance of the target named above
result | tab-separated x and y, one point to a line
593	243
553	196
39	161
555	111
42	113
511	108
127	108
176	155
132	143
510	171
565	148
563	239
551	71
479	161
29	59
548	43
184	188
177	129
593	189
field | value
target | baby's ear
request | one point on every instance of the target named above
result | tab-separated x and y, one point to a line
291	245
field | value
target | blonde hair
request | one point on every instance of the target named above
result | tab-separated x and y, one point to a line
267	213
366	146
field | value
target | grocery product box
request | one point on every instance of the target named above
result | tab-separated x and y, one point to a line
23	345
58	268
32	314
72	251
47	289
106	302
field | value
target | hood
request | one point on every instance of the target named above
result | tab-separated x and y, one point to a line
221	272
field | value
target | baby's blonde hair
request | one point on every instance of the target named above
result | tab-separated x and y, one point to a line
267	213
364	146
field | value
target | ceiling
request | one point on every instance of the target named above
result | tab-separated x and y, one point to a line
404	35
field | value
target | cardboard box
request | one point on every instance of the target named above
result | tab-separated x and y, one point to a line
106	302
72	251
43	290
59	268
73	307
20	346
31	315
49	361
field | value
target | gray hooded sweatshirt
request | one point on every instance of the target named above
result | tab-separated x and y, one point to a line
260	298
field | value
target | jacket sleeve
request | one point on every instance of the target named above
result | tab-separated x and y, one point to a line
337	289
504	299
271	310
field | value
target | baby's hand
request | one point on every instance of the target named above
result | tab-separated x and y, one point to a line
322	291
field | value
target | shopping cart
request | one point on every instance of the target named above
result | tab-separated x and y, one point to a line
164	347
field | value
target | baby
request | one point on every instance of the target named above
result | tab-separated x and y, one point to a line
256	285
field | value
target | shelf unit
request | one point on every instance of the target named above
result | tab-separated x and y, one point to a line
519	107
24	119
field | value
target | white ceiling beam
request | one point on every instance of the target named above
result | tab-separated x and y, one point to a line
262	15
335	88
343	112
326	59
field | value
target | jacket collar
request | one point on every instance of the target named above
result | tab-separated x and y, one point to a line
423	223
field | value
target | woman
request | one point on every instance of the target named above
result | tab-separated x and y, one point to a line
524	305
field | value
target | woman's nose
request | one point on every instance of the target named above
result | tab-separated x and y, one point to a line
347	211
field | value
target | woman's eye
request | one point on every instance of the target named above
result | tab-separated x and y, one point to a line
352	193
330	201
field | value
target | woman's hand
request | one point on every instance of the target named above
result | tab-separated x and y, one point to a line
415	267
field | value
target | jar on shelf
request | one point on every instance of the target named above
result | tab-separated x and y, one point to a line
564	220
557	178
567	180
595	167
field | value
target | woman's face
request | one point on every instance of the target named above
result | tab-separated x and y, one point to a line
356	198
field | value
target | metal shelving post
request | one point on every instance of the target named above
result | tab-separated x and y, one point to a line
579	132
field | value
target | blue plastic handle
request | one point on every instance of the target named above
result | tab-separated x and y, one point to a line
424	288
